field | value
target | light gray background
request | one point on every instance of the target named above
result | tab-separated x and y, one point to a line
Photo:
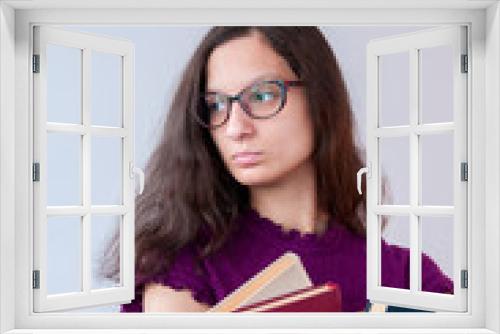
160	55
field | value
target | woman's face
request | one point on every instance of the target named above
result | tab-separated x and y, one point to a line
259	151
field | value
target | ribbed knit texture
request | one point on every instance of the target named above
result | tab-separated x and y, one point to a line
338	256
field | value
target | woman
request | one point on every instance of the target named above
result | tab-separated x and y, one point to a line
257	158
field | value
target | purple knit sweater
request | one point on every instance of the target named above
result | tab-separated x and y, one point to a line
338	256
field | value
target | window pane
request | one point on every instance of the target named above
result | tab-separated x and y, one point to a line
437	169
64	169
64	254
437	243
396	234
107	170
106	89
104	230
64	84
394	164
436	84
394	89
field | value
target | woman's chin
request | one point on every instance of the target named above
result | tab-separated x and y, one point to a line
255	179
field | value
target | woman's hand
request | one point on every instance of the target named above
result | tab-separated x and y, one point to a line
161	298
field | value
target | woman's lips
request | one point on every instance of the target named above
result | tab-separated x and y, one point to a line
246	158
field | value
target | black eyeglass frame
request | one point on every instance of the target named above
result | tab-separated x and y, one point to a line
283	85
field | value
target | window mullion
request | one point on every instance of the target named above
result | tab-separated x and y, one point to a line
87	176
414	173
127	225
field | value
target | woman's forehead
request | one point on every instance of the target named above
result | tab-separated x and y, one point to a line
242	61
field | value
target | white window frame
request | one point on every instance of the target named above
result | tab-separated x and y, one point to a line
87	43
16	19
454	37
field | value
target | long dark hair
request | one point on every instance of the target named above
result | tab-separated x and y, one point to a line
189	195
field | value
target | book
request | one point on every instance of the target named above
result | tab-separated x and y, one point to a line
322	298
280	278
375	307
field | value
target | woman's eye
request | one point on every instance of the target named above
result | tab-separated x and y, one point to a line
216	107
262	96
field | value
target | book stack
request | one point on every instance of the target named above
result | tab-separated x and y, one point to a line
282	286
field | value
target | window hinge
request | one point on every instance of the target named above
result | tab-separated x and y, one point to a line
464	171
465	279
36	63
465	64
36	172
36	279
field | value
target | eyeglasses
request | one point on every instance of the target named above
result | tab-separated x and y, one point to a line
263	99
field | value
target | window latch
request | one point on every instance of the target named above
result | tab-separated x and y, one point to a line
139	172
364	170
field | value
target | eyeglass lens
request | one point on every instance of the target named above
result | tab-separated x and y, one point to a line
260	100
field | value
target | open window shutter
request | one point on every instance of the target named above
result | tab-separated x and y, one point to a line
416	140
83	173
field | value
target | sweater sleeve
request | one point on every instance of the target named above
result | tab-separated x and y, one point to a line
182	274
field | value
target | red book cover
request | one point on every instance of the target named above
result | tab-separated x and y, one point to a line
321	298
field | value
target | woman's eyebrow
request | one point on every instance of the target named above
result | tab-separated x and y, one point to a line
264	76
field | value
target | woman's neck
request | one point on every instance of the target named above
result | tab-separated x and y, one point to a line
291	202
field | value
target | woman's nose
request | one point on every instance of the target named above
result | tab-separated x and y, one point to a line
239	124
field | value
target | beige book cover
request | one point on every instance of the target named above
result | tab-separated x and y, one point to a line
286	274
